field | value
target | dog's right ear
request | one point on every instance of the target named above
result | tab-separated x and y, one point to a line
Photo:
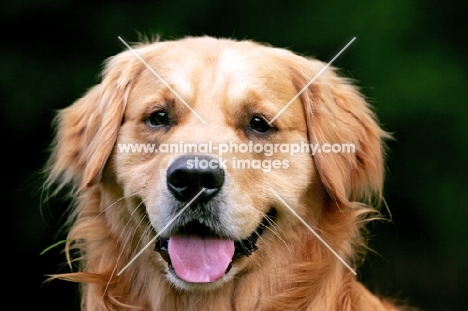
87	130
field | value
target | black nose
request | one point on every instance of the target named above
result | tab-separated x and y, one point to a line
188	175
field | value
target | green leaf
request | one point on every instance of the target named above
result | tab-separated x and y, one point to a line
53	246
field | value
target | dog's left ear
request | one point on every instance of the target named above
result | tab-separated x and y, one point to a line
339	118
87	130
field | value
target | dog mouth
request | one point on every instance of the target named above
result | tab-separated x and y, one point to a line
195	254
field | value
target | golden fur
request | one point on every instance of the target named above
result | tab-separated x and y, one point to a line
121	199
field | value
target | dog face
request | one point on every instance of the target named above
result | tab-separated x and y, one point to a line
213	219
235	95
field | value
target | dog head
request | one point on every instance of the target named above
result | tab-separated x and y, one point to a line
216	216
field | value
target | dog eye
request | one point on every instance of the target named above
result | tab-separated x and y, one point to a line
158	118
259	124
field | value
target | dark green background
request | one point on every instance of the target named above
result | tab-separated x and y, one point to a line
409	58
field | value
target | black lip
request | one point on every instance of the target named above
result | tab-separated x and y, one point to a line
247	246
243	247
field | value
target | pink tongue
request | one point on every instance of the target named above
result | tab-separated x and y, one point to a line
200	259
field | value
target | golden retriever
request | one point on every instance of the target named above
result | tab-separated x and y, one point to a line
261	225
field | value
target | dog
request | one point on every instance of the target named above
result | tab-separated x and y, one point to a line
269	223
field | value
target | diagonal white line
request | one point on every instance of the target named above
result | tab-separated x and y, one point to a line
311	81
161	79
161	231
315	233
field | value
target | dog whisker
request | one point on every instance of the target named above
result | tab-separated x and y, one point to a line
112	204
278	235
126	240
144	235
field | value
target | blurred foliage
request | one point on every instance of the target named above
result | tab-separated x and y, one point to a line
409	58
